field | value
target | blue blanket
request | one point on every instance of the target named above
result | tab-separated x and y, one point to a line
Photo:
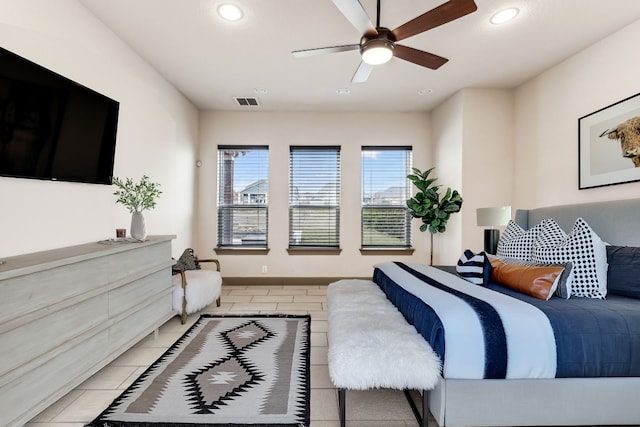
593	338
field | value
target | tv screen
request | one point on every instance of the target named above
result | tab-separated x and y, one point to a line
53	128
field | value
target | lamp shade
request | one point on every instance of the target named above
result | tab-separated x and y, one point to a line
492	217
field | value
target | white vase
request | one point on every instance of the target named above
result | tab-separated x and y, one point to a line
138	226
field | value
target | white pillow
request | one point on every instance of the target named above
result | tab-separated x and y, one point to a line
583	248
516	242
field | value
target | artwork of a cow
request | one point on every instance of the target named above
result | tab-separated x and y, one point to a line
629	135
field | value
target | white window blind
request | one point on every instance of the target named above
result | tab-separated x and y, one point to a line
314	197
386	222
243	196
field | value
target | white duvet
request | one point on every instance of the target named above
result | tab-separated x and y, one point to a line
531	346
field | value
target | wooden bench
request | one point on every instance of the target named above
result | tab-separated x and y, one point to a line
371	346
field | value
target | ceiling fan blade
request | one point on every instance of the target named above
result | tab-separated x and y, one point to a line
442	14
355	13
362	73
305	53
419	57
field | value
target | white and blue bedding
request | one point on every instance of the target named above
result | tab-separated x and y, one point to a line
493	332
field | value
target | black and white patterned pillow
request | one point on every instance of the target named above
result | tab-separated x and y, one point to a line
474	267
516	242
187	261
583	248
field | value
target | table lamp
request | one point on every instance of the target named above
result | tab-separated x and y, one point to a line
492	217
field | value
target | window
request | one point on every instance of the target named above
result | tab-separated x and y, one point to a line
243	196
386	222
314	197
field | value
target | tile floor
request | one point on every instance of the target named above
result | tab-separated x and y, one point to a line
384	408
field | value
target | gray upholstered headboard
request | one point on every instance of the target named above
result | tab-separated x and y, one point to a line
616	222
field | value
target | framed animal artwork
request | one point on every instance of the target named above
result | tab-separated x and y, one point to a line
609	145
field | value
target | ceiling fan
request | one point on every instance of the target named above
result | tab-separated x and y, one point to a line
379	44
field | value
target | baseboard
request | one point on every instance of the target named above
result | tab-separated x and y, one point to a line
283	281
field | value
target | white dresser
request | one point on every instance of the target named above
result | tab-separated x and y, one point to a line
68	312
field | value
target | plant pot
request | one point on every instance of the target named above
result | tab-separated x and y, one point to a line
138	226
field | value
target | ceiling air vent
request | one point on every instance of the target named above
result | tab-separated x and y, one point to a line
247	102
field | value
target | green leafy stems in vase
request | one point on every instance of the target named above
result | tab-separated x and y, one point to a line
137	197
429	206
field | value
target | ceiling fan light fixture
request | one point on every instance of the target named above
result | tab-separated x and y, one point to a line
377	51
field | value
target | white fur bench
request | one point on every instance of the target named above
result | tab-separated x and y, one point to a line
371	345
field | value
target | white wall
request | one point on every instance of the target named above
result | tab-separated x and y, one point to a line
157	134
448	142
279	131
472	145
547	109
487	157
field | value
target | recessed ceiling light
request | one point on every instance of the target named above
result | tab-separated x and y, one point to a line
230	12
343	91
505	15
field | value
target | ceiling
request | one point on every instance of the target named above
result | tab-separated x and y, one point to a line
211	61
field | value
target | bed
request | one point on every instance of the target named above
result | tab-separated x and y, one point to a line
567	393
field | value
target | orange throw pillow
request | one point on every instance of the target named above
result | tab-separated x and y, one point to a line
537	281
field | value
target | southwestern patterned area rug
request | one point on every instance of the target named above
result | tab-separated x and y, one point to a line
224	371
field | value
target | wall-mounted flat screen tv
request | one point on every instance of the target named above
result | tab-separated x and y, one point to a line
53	128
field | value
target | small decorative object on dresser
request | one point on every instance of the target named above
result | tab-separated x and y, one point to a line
136	198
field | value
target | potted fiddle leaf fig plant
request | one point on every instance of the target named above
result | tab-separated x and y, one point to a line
429	206
137	197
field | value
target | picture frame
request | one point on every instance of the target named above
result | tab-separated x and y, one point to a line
601	161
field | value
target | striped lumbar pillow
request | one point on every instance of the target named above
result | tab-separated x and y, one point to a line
474	267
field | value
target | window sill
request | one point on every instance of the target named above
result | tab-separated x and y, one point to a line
386	251
240	251
310	250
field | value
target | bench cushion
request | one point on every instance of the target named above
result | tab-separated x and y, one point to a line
371	345
203	287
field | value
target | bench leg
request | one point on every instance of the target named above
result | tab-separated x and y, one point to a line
423	420
425	409
341	407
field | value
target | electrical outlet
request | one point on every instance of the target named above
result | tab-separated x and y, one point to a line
265	270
